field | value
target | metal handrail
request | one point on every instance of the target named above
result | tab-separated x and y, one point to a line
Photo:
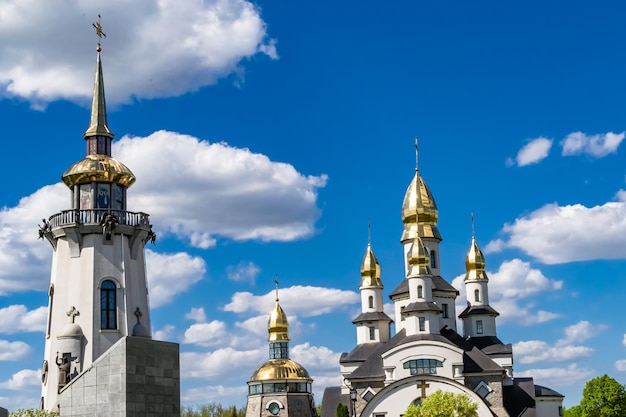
96	216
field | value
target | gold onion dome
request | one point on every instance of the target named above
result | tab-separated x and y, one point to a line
277	326
475	263
98	168
419	211
280	369
370	269
417	258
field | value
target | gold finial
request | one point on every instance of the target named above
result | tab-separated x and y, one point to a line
276	282
416	153
473	234
99	32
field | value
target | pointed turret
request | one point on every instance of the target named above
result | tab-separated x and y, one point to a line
99	124
372	325
479	318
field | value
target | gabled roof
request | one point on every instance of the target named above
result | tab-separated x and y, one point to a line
439	284
541	391
420	306
331	399
490	345
519	398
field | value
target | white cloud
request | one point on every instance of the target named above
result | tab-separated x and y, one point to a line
226	363
624	340
533	152
571	375
305	301
581	331
315	358
13	351
171	274
514	282
558	234
212	190
598	146
243	272
18	319
152	49
621	365
165	333
24	379
219	392
196	314
206	334
533	351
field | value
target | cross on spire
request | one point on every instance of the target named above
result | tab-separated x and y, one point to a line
473	224
72	313
276	282
99	32
416	153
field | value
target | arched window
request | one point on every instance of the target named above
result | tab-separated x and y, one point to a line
422	366
108	302
477	295
433	259
370	301
420	291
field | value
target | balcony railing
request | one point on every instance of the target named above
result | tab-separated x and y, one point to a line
96	216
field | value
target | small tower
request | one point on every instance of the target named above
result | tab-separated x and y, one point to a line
372	325
421	315
98	292
280	387
479	318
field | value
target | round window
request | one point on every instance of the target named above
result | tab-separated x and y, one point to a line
274	408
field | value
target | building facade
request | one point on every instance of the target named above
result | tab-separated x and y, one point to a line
385	373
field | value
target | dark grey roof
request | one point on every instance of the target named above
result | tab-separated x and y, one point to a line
361	352
478	310
474	360
439	284
331	399
419	306
541	391
519	398
490	344
372	316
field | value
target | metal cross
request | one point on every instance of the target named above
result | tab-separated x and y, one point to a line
138	314
72	313
276	282
423	385
99	31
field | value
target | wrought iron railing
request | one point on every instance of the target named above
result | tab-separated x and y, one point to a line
98	216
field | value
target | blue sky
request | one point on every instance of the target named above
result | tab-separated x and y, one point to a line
264	135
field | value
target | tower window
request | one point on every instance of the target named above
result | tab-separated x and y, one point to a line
370	301
279	350
422	324
476	295
479	327
372	333
420	291
444	311
433	259
108	303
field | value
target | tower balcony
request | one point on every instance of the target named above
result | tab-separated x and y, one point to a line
98	217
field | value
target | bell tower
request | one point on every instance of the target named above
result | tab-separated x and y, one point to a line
98	292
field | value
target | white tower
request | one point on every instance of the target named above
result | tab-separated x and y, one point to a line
372	325
479	318
98	292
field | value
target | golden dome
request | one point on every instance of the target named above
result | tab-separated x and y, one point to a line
98	168
370	269
419	211
475	263
417	258
277	325
280	369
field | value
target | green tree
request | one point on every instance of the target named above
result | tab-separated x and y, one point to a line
574	411
444	404
342	410
212	410
603	397
32	412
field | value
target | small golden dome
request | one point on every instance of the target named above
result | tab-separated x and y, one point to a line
419	211
277	325
98	168
370	269
475	263
417	258
280	369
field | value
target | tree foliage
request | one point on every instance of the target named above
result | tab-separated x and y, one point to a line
574	411
342	410
444	404
212	410
32	412
603	397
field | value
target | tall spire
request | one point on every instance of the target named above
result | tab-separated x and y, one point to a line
98	125
416	155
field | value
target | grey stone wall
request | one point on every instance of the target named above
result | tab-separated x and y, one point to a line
137	377
495	399
294	404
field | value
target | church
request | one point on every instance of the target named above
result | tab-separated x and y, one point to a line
384	373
